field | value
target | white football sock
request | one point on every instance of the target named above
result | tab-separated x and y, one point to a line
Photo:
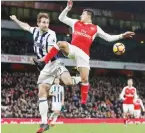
43	109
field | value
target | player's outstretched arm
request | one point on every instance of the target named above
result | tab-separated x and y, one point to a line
142	106
23	25
63	16
122	94
135	94
111	38
51	91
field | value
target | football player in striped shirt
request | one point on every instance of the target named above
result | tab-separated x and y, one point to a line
57	93
44	39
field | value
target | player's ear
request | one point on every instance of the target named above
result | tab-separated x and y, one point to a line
38	24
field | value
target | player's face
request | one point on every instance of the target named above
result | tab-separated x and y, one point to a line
84	16
56	81
43	24
130	82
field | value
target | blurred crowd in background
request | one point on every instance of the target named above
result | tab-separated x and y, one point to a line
19	97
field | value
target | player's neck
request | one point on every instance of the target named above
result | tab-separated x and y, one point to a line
130	86
88	21
42	32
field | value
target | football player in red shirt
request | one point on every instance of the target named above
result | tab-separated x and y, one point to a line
128	95
83	34
138	104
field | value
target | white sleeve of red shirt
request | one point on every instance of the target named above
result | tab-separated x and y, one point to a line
135	94
63	18
142	106
106	36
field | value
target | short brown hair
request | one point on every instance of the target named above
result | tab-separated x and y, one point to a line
90	12
42	15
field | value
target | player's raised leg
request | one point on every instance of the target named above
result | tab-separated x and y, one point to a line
67	79
61	45
84	73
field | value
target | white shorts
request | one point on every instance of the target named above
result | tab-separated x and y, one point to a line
56	106
137	113
128	108
81	58
50	72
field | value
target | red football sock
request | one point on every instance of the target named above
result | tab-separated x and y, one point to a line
84	93
53	52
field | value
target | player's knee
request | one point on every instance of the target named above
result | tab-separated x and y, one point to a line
68	82
66	78
56	112
62	44
42	90
84	79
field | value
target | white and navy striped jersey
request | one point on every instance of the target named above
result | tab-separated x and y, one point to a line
58	91
42	41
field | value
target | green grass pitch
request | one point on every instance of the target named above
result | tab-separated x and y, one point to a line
76	128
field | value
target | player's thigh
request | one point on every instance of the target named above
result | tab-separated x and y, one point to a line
57	111
137	113
84	73
66	78
44	83
48	74
125	108
56	107
64	47
43	89
131	108
60	69
44	79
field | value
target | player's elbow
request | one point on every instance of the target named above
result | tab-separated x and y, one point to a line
60	18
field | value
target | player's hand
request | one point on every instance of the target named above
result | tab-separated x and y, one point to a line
69	5
40	65
31	60
42	59
52	94
13	17
128	34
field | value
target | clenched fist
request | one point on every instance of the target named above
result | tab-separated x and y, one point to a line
128	34
13	17
69	4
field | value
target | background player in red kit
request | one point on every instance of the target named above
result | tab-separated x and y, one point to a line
83	35
138	105
128	95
